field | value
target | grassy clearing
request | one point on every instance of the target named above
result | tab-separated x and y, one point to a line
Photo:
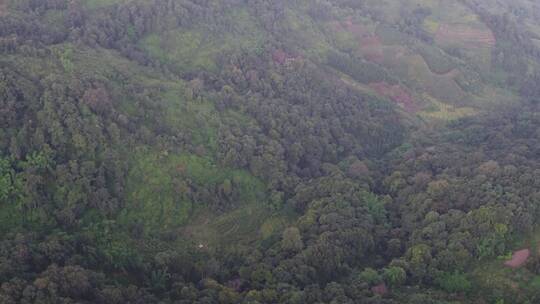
308	34
186	50
198	118
442	87
441	111
238	226
157	182
159	186
197	49
246	224
94	4
493	96
359	86
154	193
437	61
180	112
156	190
431	25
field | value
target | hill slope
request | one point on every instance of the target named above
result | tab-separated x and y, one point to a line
189	151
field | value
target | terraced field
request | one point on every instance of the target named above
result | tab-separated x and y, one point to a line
465	36
453	73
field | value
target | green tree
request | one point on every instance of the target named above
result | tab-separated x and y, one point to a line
370	276
292	240
394	275
455	282
6	179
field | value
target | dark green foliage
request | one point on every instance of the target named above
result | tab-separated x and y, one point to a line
186	151
437	61
454	282
6	179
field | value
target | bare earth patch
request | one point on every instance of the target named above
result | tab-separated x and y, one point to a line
281	57
3	7
396	93
380	289
518	258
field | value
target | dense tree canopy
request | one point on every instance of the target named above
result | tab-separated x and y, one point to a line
196	151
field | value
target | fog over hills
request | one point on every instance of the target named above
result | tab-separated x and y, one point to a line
252	151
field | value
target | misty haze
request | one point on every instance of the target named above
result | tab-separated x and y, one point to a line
269	151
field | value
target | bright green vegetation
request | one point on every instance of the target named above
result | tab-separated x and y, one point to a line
156	196
187	50
196	116
445	112
198	49
159	188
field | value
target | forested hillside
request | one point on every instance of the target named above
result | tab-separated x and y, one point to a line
252	151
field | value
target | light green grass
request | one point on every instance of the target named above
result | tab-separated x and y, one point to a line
158	185
94	4
441	111
196	49
212	229
246	224
154	194
198	118
431	25
310	36
186	50
436	60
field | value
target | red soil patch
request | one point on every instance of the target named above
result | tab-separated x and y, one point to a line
396	93
368	43
380	289
3	8
463	34
518	258
281	57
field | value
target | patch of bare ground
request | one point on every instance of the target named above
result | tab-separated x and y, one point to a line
3	7
518	258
